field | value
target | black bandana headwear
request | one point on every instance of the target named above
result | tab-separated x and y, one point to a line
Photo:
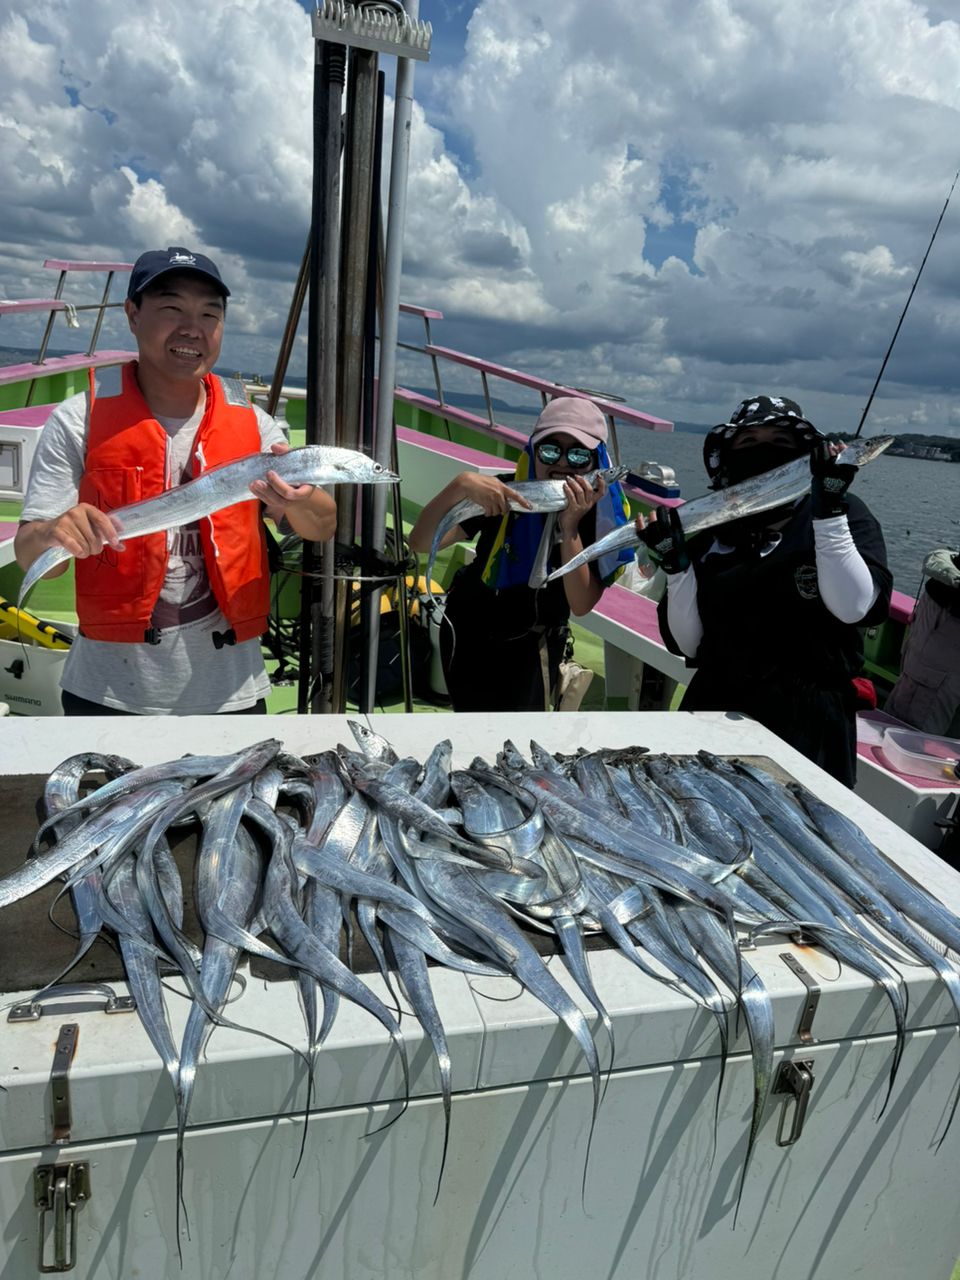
754	412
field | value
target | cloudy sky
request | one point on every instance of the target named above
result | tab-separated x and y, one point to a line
678	201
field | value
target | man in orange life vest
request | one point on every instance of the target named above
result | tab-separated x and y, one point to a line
170	624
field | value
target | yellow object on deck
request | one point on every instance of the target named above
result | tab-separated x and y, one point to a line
15	624
389	599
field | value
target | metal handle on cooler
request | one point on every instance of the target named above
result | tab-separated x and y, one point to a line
110	1002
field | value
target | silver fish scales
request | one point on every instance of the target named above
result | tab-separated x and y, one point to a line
760	493
662	855
221	487
542	497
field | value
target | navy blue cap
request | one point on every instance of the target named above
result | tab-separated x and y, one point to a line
159	262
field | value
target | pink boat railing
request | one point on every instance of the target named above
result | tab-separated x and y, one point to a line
44	366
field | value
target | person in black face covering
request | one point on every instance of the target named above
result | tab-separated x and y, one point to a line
766	608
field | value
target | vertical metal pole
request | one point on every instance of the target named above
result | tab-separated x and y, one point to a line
357	199
389	328
41	354
98	323
486	396
369	594
316	608
289	332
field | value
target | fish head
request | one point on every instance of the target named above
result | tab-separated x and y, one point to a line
357	468
860	452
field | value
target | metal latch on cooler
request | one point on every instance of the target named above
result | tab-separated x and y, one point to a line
794	1078
63	1190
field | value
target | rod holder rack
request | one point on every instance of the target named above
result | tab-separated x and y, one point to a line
380	28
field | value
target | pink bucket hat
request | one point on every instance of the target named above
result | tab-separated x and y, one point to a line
572	416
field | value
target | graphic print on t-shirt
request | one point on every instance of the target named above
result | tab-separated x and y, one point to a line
186	597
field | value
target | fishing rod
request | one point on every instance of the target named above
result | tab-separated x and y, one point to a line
863	416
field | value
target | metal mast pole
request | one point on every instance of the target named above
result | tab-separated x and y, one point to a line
385	441
368	28
357	207
316	608
370	593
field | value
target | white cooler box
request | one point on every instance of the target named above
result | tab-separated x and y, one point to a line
832	1192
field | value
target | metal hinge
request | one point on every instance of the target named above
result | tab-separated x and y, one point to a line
60	1082
796	1079
63	1190
805	1025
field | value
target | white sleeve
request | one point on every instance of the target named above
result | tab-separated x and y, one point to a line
846	584
683	615
270	430
53	486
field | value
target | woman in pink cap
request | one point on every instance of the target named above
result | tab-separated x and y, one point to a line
503	639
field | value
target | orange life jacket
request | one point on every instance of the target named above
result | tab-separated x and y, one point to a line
125	462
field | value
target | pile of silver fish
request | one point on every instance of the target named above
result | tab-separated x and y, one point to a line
678	860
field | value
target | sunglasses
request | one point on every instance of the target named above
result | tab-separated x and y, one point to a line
549	452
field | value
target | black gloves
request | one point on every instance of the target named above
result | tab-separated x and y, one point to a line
665	541
830	481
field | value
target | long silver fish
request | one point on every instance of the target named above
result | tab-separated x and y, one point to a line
228	874
760	493
542	495
714	944
61	792
463	894
222	487
129	816
121	784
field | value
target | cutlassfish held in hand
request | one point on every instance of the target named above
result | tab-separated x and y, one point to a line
760	493
222	487
542	496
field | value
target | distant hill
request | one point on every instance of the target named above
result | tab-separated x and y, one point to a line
467	400
693	428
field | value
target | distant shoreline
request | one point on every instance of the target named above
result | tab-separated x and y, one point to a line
935	453
928	448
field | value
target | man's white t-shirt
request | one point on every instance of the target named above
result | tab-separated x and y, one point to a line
185	674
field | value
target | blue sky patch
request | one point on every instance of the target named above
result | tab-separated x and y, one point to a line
678	238
73	97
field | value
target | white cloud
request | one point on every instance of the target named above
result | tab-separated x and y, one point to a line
682	200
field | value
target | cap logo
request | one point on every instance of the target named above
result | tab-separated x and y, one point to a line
183	259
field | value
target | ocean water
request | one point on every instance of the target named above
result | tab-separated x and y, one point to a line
916	501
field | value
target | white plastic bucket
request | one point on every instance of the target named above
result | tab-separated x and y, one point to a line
30	678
